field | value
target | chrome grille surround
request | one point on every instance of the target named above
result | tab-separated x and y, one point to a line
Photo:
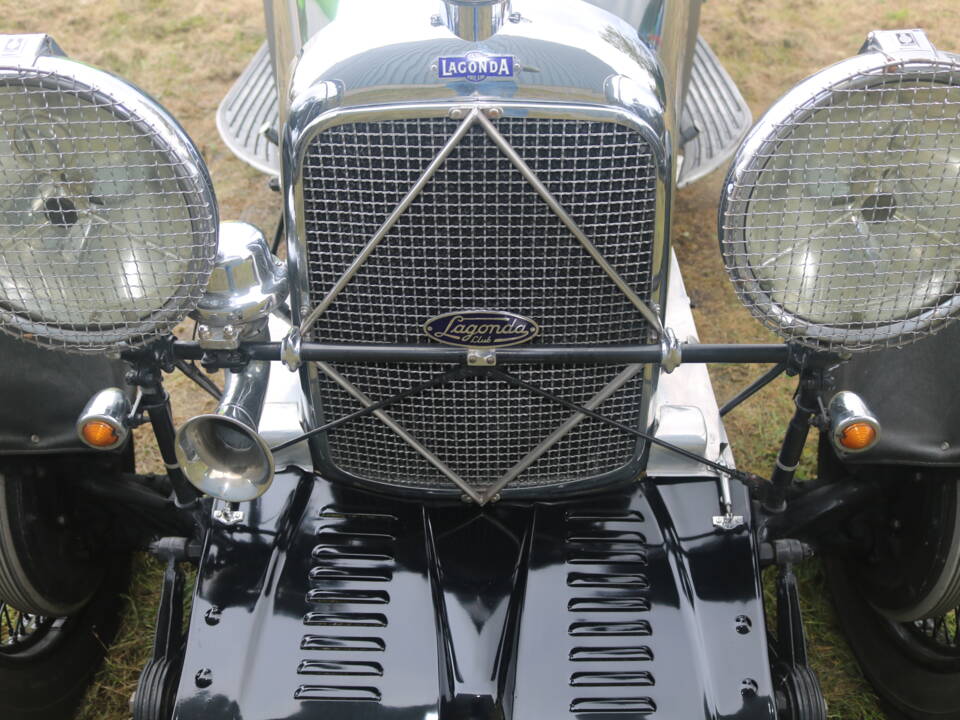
853	173
479	428
96	177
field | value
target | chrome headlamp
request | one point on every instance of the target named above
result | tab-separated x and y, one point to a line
108	221
840	221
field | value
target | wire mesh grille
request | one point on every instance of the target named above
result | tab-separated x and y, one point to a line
479	237
841	229
107	226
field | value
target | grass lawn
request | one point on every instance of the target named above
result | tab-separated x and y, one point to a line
188	52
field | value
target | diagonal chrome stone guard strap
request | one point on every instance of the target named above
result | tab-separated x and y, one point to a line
580	413
476	115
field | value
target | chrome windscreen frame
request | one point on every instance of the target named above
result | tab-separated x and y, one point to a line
631	106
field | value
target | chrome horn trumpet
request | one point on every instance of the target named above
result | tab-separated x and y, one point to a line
222	454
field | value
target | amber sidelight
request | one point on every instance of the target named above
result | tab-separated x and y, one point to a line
858	436
97	433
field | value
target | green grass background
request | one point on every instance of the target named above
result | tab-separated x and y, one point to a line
188	52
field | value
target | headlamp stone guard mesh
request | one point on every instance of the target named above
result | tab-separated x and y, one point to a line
479	237
108	221
840	223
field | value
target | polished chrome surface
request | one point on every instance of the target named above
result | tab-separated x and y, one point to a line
839	221
716	110
284	415
228	517
290	23
688	386
588	94
683	426
475	20
384	299
247	284
108	221
566	50
845	409
112	407
251	105
676	42
671	351
222	454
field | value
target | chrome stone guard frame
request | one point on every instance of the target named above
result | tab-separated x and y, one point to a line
668	354
638	113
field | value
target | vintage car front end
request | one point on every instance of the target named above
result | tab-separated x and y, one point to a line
467	462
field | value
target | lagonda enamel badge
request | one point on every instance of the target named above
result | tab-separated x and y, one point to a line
481	329
476	67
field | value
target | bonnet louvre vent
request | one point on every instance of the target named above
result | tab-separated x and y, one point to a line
353	563
609	660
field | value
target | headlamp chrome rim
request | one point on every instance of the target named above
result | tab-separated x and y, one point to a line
61	74
865	71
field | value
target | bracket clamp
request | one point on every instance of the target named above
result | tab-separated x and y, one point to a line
671	355
290	348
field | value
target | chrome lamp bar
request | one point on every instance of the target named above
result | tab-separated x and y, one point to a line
545	354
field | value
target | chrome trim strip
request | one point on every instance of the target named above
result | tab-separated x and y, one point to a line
403	434
561	432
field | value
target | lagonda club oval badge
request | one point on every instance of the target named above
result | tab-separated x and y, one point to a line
481	329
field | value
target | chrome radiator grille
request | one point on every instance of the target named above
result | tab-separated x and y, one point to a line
480	237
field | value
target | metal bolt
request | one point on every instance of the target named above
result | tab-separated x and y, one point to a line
203	332
229	517
494	113
743	624
436	21
944	446
212	616
749	688
458	114
35	439
203	678
229	332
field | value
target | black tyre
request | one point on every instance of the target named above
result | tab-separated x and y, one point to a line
60	586
895	588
